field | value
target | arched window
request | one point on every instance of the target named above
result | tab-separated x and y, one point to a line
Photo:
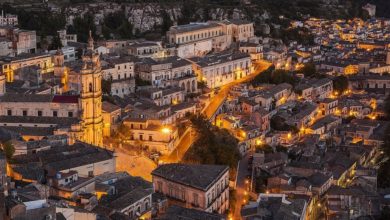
90	87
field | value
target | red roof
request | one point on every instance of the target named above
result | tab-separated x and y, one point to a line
65	99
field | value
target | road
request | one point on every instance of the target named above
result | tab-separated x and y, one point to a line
209	111
181	148
242	186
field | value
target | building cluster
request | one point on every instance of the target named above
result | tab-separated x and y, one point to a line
310	148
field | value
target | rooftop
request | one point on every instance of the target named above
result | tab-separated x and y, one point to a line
199	176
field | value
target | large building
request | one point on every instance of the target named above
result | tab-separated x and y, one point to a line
202	187
36	116
197	39
171	71
23	41
8	19
222	68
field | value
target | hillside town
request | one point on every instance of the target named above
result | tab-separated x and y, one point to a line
100	120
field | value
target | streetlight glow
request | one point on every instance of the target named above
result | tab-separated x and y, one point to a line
166	130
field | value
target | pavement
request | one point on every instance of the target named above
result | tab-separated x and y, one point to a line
242	186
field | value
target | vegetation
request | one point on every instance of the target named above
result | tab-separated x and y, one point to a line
44	22
116	25
8	149
301	35
55	43
309	69
106	86
141	82
278	123
261	183
274	76
214	145
340	84
82	26
166	22
265	148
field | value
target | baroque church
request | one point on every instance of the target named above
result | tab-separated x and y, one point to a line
74	112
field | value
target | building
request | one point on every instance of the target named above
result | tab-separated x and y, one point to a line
197	39
8	19
85	159
178	212
351	201
170	71
275	206
80	116
91	97
152	134
219	69
120	73
128	196
9	65
202	187
145	49
112	114
23	41
273	97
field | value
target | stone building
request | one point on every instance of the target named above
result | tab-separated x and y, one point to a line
202	187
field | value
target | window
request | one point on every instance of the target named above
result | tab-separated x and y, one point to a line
183	195
159	186
195	196
39	113
90	87
150	138
9	112
24	112
70	114
119	67
90	173
141	137
170	192
55	113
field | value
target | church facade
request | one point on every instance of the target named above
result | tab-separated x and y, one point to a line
79	115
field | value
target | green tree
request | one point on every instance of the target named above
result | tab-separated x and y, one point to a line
82	26
214	145
309	69
55	43
106	86
166	22
8	149
340	84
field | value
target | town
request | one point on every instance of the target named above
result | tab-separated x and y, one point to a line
108	112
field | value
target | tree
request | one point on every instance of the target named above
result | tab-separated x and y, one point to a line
82	26
56	43
214	145
117	25
8	149
340	84
308	69
106	86
166	22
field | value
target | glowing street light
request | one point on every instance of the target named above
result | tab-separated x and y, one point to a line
166	130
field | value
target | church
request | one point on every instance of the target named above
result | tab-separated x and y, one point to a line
77	113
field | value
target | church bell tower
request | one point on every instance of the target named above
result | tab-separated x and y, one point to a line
91	96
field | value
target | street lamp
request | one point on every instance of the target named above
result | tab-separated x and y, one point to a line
166	130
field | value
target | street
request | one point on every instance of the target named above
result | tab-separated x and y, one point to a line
209	111
242	186
180	150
